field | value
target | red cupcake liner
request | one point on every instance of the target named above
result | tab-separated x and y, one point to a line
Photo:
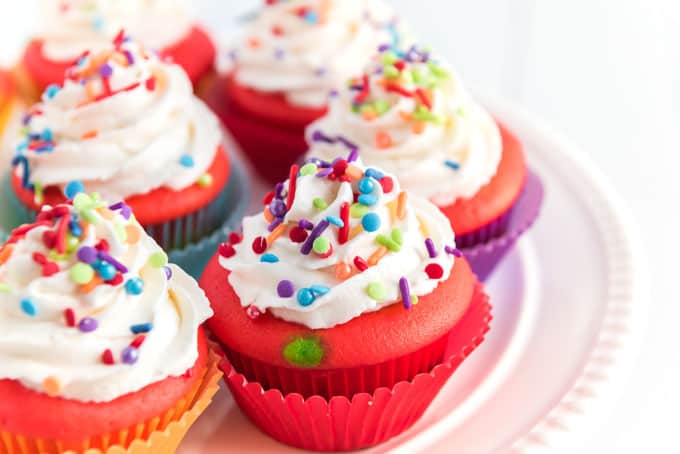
344	423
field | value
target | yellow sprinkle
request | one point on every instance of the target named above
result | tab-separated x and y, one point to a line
423	227
355	231
377	256
276	233
133	234
51	386
161	78
401	205
106	213
392	208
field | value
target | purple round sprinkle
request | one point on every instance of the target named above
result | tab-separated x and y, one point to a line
279	53
87	254
278	208
333	93
453	251
130	355
105	70
316	233
168	272
305	224
384	47
88	324
431	250
285	289
405	292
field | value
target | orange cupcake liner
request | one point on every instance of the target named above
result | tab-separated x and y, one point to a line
161	434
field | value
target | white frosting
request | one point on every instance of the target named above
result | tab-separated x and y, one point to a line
67	27
142	134
33	348
464	134
310	58
256	283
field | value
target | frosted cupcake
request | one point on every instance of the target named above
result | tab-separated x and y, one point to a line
345	298
67	27
126	125
102	346
409	114
277	79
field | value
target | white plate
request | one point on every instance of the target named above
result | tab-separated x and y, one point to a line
567	307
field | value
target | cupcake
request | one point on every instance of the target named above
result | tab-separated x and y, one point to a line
102	347
127	126
67	27
277	79
409	114
345	299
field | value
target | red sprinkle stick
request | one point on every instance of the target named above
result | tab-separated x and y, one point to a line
343	233
292	185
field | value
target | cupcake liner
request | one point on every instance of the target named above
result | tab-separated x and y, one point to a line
160	434
212	223
365	419
485	248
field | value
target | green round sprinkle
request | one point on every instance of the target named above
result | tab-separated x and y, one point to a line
397	236
205	180
381	106
82	201
304	352
72	243
321	245
389	58
5	288
414	299
376	291
158	259
390	72
358	210
319	204
82	273
308	169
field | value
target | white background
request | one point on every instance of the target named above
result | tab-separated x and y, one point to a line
607	74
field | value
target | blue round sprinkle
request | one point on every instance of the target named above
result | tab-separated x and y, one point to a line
319	289
141	328
46	135
106	271
366	185
311	17
371	222
186	161
373	173
305	297
367	199
73	189
52	90
269	258
28	307
134	286
336	221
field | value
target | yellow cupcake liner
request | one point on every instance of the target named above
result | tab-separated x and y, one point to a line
161	434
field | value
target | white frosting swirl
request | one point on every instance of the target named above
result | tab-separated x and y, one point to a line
257	283
39	346
138	139
67	27
455	129
305	49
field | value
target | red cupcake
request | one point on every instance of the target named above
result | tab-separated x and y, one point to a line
278	78
68	27
344	297
126	125
102	346
409	114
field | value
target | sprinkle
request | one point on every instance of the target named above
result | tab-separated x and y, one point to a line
343	271
305	224
88	287
423	97
398	236
89	134
259	245
106	271
276	233
423	227
324	172
319	290
205	180
134	286
5	288
434	271
253	312
150	83
51	386
298	234
52	90
405	293
28	307
274	224
133	234
340	167
311	17
292	185
319	203
138	341
130	355
235	238
353	155
336	221
107	357
186	161
377	256
383	140
360	263
268	216
305	297
158	259
431	250
269	258
81	273
61	233
168	272
367	199
268	197
141	328
387	184
358	210
373	173
321	245
401	205
308	169
452	164
389	243
371	222
366	185
278	208
318	230
453	251
88	324
343	233
103	255
354	172
285	289
304	352
376	291
226	250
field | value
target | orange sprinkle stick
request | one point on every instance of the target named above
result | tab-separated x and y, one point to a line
276	233
401	205
377	256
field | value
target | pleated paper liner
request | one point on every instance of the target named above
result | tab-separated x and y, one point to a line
356	421
190	241
485	247
161	434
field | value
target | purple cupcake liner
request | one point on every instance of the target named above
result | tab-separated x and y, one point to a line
485	248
